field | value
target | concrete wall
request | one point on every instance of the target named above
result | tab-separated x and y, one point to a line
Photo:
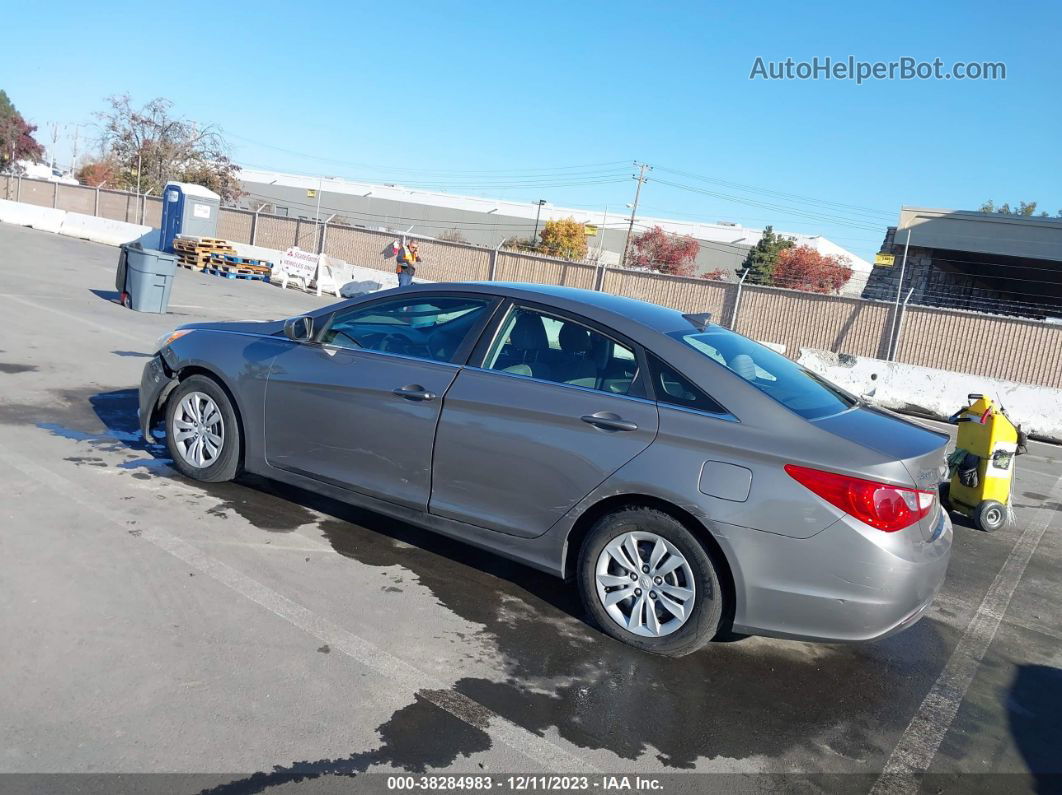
937	393
85	227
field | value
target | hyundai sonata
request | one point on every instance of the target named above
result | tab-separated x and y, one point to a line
689	480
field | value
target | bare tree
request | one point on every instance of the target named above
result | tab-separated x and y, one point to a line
453	236
151	146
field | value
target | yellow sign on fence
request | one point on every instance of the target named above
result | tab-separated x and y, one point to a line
591	230
311	193
885	260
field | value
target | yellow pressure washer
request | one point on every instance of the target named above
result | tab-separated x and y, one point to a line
982	466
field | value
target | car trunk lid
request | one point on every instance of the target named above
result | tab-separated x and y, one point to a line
921	451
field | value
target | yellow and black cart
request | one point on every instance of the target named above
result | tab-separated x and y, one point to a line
982	466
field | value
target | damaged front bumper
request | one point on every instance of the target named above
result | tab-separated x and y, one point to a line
155	385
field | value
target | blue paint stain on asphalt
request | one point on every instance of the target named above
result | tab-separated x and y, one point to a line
70	433
156	464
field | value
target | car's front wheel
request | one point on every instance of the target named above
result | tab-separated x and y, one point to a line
646	580
202	433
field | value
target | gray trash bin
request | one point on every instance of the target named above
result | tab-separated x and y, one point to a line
144	278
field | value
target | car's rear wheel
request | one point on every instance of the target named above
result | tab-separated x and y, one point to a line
646	580
202	433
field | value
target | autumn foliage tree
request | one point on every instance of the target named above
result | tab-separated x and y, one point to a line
761	259
16	137
98	172
658	251
564	238
804	268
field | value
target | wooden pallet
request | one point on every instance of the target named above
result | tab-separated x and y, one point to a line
197	246
246	262
209	242
199	261
200	250
223	265
227	274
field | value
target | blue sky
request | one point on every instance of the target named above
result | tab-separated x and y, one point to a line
490	98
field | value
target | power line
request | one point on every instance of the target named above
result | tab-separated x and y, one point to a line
780	194
815	216
532	170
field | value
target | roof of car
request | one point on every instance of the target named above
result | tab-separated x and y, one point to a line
654	316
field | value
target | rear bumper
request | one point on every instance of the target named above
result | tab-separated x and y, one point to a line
849	583
154	382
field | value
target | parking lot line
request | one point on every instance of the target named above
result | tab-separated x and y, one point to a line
918	745
395	670
77	319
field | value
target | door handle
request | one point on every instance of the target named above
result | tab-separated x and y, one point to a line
608	421
413	392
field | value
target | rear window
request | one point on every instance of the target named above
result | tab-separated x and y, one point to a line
795	387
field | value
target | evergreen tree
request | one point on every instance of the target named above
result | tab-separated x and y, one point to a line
759	264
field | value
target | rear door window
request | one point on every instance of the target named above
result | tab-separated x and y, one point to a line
551	348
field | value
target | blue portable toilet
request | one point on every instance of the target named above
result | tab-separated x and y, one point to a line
187	209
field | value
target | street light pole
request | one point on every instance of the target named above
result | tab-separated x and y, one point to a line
899	289
642	167
538	213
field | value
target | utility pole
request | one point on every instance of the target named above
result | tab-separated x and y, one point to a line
73	156
538	214
640	176
55	143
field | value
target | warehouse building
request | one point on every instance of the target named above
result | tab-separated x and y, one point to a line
488	222
983	262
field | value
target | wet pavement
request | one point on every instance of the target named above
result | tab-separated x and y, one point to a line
155	624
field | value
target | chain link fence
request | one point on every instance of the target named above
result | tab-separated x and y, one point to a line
1028	351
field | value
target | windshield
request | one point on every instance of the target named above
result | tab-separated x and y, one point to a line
795	387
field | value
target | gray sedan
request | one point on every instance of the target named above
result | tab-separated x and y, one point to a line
690	480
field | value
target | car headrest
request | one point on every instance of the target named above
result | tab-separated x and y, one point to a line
528	333
743	365
574	339
599	350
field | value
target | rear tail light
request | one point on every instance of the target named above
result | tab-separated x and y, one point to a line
881	505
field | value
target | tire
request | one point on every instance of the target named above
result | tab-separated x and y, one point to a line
199	463
671	636
990	516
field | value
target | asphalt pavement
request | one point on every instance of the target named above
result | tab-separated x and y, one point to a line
261	634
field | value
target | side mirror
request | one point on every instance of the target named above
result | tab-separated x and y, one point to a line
299	329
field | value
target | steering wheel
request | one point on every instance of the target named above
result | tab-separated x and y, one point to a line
438	345
395	343
349	336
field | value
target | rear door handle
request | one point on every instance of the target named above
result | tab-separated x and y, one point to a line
608	421
413	392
